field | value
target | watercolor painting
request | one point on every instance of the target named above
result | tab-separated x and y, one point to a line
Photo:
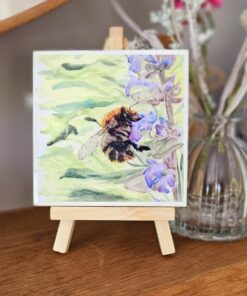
110	128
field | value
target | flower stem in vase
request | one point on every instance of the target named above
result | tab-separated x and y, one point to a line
197	58
216	207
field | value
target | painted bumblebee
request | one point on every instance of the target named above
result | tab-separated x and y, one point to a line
114	136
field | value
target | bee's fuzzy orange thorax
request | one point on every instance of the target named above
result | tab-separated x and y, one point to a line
110	115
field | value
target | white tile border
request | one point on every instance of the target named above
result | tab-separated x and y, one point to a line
36	197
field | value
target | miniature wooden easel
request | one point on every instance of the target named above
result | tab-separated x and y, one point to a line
68	215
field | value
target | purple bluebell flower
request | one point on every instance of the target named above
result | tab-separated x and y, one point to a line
131	58
154	172
135	63
135	134
159	177
134	81
162	129
169	85
151	59
144	124
165	62
166	183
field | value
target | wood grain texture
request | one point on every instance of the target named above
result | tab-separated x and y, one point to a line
30	14
63	236
116	39
113	258
113	213
165	237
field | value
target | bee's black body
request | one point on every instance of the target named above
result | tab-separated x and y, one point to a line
117	128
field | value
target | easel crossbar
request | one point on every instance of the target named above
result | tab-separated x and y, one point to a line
112	213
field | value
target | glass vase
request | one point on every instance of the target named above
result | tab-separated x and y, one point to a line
217	190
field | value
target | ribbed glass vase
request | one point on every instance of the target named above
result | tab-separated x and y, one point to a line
217	185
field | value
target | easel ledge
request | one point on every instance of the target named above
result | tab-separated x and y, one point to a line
68	215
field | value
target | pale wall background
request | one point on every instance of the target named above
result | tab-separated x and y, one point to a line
82	24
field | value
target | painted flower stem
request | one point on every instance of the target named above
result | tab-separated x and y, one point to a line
169	112
168	103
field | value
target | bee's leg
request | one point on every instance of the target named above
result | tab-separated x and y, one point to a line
129	153
140	148
106	148
121	158
113	155
118	151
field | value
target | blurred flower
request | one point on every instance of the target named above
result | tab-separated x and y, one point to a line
243	19
213	3
179	4
144	124
159	177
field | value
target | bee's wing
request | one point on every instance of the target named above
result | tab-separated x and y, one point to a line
90	145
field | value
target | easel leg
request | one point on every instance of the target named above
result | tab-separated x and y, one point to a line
164	237
64	235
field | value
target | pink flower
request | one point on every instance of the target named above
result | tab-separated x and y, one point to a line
179	4
213	3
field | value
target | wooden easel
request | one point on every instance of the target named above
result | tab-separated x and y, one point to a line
68	215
